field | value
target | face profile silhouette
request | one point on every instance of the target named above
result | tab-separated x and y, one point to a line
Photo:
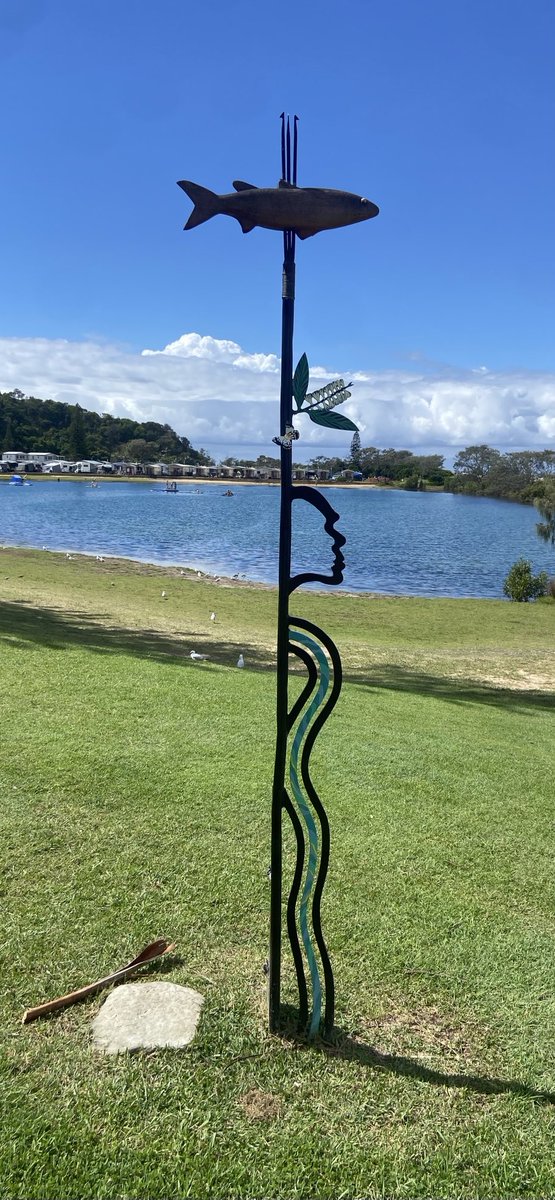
314	497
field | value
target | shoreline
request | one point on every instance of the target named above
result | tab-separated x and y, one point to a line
142	566
5	477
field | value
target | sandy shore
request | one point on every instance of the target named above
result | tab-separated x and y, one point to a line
183	482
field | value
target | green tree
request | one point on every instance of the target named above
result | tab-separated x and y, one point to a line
137	450
76	439
265	461
322	463
546	507
7	442
355	459
521	585
475	462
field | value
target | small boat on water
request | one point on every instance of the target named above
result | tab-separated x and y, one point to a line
171	486
18	481
228	493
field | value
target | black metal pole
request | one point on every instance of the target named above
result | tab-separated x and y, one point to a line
286	418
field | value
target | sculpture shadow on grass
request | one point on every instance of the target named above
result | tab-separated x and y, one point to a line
343	1045
25	625
393	677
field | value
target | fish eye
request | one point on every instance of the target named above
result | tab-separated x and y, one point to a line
363	200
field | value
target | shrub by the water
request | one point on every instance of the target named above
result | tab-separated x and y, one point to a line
521	585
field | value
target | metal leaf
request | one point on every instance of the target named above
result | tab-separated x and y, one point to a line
300	380
332	420
329	396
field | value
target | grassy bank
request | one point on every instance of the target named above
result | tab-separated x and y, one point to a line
136	791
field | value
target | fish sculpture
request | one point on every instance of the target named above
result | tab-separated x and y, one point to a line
305	211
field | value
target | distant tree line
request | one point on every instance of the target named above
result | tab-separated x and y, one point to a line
27	423
401	467
523	475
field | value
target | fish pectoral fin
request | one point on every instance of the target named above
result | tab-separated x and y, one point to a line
305	233
246	224
241	186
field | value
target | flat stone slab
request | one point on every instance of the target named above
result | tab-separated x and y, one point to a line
146	1016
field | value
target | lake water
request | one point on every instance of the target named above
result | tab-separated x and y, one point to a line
421	543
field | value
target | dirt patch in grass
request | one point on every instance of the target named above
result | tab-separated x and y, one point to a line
260	1106
433	1036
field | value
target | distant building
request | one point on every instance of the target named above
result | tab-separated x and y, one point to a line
58	466
157	469
37	457
91	466
13	457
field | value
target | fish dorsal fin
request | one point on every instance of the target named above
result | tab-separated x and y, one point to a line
241	186
284	184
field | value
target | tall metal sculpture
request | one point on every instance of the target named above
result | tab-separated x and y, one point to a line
298	212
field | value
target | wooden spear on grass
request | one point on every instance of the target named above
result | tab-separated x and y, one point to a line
154	950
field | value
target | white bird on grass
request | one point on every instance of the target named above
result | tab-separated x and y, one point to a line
240	661
195	656
212	616
164	595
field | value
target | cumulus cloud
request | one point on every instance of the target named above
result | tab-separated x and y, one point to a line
195	345
222	396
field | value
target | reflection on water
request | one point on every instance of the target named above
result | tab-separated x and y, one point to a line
421	543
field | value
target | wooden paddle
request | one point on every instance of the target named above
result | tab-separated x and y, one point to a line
154	950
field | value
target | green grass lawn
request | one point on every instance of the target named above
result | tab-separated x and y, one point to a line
135	804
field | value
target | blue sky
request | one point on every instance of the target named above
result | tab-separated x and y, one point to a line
443	307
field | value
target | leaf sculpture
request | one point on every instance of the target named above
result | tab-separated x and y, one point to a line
329	396
300	381
323	400
333	420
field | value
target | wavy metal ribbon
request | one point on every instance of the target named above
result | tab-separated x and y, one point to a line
318	653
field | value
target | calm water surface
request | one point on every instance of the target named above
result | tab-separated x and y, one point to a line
421	543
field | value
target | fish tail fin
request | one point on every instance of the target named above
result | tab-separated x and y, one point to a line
206	203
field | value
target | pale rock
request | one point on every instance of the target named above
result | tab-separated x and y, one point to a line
147	1016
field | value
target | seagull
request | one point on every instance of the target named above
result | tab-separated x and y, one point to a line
240	661
164	595
199	573
212	616
196	656
44	547
182	572
70	556
100	558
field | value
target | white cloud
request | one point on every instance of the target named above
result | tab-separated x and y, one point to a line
195	345
220	395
